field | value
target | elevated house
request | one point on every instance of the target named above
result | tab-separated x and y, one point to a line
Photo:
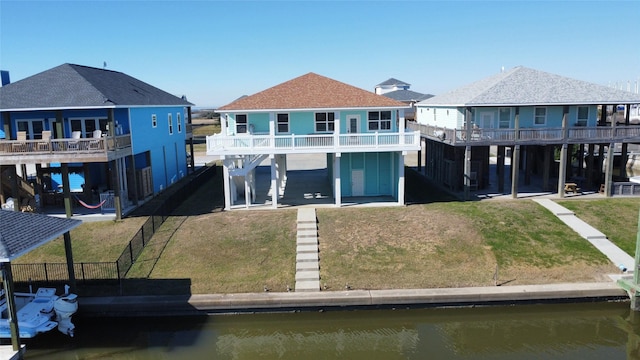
399	90
97	136
553	127
361	134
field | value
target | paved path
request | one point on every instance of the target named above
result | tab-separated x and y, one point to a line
307	261
618	257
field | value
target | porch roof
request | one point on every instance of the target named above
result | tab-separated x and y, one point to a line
70	86
523	86
22	232
311	91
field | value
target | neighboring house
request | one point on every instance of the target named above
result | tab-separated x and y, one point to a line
362	135
100	134
535	114
390	85
399	90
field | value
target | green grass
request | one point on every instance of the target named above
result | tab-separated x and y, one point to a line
452	244
522	232
437	244
616	218
90	242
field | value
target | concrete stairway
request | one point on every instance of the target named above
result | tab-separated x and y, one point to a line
307	261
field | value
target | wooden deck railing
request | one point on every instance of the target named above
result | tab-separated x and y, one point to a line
574	135
244	144
64	146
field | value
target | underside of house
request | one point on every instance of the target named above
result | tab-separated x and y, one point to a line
314	179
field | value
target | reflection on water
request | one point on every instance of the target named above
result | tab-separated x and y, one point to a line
569	331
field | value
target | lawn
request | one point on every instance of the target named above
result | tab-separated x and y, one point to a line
90	242
616	218
433	244
451	245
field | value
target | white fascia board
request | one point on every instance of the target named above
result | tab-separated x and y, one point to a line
63	108
92	107
573	103
527	104
241	111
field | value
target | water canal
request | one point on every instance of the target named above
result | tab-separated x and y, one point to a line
567	331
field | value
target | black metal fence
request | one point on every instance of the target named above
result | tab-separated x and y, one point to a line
57	272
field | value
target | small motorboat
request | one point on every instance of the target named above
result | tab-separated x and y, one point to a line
39	312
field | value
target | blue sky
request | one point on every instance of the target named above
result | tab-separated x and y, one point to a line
215	51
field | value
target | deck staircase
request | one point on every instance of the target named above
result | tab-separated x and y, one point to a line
248	164
26	192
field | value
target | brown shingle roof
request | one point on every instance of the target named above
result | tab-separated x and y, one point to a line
312	91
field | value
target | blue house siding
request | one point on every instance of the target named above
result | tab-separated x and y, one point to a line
167	150
121	117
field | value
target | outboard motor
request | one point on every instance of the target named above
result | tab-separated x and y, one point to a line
65	306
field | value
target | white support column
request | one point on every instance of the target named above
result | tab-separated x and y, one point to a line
337	189
253	184
274	183
401	125
336	129
401	179
279	177
227	184
247	191
284	171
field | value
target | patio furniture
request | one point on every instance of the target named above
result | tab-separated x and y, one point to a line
95	143
74	145
571	187
21	144
45	143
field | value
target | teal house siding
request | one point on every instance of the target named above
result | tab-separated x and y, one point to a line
380	175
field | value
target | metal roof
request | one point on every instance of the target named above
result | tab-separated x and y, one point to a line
21	232
525	86
75	86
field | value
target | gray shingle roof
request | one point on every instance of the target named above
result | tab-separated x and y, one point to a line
75	86
22	232
407	95
524	86
392	81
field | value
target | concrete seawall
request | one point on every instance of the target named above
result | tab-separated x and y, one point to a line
277	302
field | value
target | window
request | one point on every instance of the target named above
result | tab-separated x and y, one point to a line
505	118
379	120
282	123
540	116
154	120
325	121
583	116
87	127
179	119
241	123
170	118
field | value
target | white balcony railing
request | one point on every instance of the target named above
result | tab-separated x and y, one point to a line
265	144
595	134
